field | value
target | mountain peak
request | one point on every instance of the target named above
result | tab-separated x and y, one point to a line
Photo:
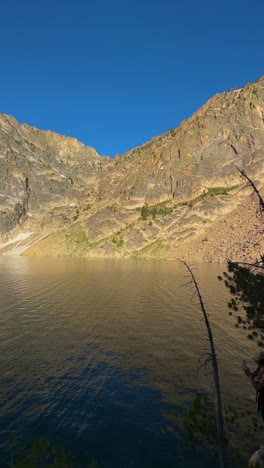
157	200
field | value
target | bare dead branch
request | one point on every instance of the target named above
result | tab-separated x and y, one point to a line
251	183
203	364
221	439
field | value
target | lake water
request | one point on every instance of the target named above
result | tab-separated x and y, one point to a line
100	357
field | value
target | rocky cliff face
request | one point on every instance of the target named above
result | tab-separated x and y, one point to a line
177	195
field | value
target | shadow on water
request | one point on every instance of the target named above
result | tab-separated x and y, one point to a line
95	356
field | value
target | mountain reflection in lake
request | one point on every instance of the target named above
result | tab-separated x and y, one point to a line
96	355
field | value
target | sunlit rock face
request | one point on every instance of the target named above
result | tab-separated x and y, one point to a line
177	195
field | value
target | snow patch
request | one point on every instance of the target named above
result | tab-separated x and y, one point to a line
17	239
20	249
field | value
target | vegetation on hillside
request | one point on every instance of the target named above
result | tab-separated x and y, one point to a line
161	209
245	282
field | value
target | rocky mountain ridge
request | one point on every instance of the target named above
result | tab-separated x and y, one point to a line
177	195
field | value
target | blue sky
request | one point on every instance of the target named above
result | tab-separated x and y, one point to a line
115	73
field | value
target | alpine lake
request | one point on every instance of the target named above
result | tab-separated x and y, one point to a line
100	357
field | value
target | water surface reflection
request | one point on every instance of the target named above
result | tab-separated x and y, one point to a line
94	354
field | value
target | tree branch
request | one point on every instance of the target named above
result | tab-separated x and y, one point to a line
221	439
261	201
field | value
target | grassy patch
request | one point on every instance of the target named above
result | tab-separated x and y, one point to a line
155	249
221	190
76	236
160	209
155	210
211	192
118	240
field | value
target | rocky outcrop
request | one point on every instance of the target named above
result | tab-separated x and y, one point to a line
39	168
81	204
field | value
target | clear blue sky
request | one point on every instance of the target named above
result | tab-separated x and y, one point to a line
115	73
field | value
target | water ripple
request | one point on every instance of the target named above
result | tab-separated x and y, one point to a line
95	354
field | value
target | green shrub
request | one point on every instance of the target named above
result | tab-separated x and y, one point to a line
118	240
154	211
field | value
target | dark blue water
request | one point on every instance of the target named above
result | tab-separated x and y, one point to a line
100	358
